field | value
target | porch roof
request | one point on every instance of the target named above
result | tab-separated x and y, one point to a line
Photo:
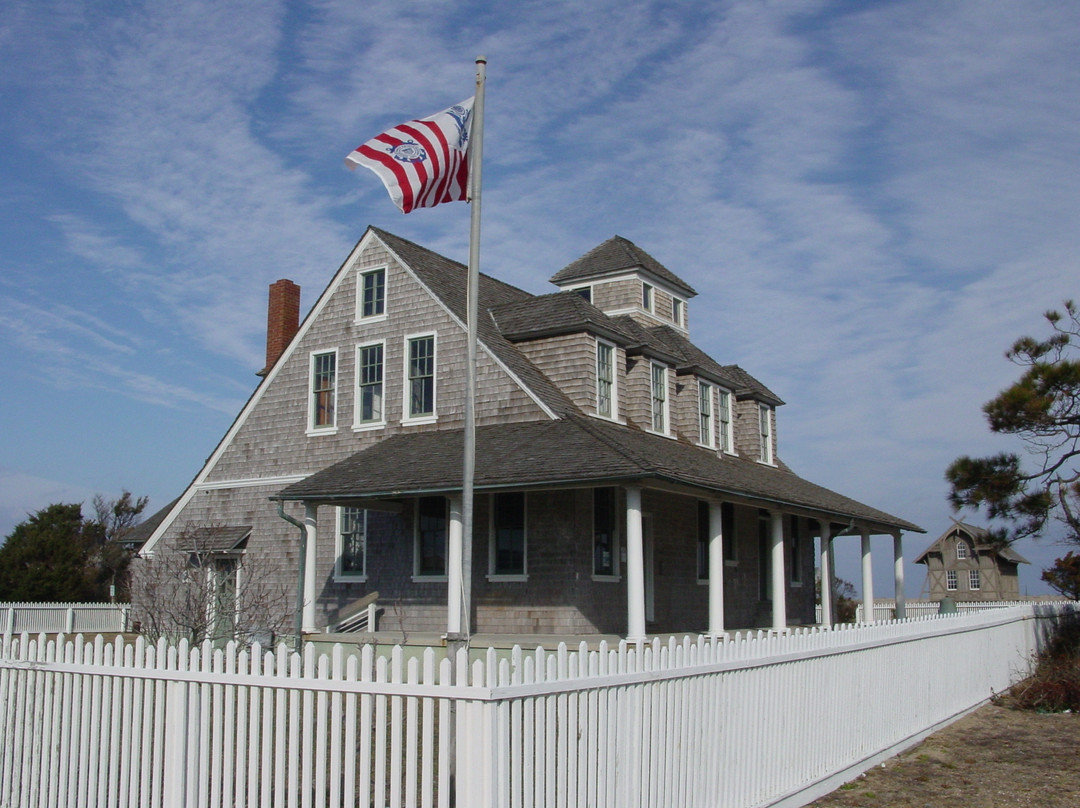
575	450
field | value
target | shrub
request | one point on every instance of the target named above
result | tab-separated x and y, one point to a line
1054	687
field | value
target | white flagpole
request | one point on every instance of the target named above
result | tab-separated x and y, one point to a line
460	601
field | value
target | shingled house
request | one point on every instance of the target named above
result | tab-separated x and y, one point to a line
610	450
962	563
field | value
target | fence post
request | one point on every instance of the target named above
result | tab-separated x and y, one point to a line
69	620
174	763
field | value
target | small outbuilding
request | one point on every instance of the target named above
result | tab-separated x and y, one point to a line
965	565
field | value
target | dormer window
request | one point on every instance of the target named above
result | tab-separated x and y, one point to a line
659	399
705	415
961	549
584	292
677	307
646	297
605	380
724	414
765	429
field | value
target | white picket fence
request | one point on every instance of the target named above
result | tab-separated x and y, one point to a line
68	618
749	720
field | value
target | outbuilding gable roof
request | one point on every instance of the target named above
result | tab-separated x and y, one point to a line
979	536
616	256
577	450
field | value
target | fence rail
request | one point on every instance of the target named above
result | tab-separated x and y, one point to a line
748	720
67	618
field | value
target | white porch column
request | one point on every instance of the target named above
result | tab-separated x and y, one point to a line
826	575
453	568
779	572
867	579
898	575
635	567
716	568
310	524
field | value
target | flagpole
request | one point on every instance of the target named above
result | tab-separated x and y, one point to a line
458	627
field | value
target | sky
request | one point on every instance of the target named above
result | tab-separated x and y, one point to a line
873	201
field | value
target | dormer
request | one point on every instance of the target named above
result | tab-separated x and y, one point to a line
620	278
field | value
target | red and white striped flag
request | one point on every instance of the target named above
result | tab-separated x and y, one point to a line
422	162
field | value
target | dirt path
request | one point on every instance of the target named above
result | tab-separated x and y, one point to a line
993	758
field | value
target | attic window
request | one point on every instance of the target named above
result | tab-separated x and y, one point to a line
676	311
765	424
372	302
646	297
961	549
585	292
605	380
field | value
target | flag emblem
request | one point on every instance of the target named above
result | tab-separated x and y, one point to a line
423	162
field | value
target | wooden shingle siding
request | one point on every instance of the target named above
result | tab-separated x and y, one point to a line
570	362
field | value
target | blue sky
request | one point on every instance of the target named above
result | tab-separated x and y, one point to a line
872	200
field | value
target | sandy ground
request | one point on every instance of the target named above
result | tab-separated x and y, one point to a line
993	758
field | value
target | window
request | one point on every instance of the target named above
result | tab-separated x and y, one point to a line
704	536
724	412
372	297
765	423
421	375
585	292
351	543
659	398
961	549
323	389
431	524
507	554
973	579
646	297
705	414
369	384
224	573
676	311
764	555
727	525
950	580
704	530
605	380
795	552
605	536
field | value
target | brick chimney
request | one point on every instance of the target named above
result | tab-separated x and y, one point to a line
282	320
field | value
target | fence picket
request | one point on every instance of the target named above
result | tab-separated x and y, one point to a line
659	724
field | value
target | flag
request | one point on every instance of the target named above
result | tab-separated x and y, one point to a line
422	162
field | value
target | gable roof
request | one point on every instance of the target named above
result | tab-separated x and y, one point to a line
979	536
614	257
576	450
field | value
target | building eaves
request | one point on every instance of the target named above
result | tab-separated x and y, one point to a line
554	314
616	256
577	450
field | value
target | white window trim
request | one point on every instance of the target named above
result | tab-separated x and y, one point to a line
974	580
665	429
765	432
364	426
961	547
614	381
406	392
726	429
678	307
516	577
360	273
339	547
433	577
330	429
710	440
951	577
577	290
